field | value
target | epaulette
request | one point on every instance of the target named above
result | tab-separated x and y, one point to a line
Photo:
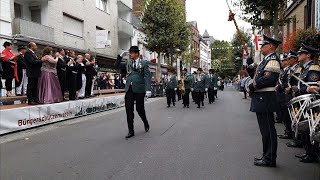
314	67
298	70
273	66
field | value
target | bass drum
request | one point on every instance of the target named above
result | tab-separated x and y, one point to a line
314	120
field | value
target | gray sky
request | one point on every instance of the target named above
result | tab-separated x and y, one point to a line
213	16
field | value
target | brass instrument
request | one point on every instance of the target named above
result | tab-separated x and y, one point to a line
183	89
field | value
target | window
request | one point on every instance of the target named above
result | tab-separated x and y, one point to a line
17	10
36	15
103	5
72	26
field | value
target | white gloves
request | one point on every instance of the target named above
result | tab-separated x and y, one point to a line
148	94
206	89
191	89
175	89
164	90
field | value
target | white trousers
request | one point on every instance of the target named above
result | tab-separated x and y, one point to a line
82	91
22	89
92	86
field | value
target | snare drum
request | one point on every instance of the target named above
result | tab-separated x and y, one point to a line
314	120
297	108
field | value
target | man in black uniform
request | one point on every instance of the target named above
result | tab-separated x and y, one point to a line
188	82
285	79
310	73
62	70
263	103
72	72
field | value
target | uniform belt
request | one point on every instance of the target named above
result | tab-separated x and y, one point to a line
267	89
63	69
74	72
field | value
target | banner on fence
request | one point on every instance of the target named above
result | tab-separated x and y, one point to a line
28	117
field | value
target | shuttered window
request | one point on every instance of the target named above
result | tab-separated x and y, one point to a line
72	26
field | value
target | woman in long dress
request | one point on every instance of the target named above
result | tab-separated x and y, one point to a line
49	86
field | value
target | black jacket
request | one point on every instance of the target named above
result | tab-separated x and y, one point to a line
62	66
33	64
21	64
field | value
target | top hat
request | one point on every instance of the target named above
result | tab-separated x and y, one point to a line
269	40
21	47
308	49
292	54
134	49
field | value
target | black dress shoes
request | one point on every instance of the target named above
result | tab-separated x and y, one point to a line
168	106
258	159
301	156
308	159
202	103
187	106
147	128
294	144
286	136
265	163
130	135
32	103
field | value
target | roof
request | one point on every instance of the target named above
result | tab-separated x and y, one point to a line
206	34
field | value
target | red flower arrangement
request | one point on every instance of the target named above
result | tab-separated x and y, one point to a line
309	37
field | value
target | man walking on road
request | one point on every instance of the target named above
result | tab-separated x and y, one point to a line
171	87
200	86
138	85
263	103
188	81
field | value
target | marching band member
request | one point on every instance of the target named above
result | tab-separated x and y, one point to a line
285	79
171	87
188	81
138	85
263	94
310	73
200	86
213	84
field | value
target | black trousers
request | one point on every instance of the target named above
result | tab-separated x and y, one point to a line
285	118
62	81
269	135
72	86
199	97
211	95
245	93
8	84
32	89
88	85
179	94
130	97
171	96
186	97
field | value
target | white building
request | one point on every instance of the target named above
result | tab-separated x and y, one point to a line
72	24
205	55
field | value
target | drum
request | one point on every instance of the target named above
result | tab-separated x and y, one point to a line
314	120
297	108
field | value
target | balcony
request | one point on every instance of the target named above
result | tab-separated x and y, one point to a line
33	30
125	29
127	3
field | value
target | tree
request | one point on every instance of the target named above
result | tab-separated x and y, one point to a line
164	24
261	13
221	58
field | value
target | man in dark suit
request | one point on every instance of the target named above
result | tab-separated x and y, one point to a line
138	85
33	73
62	70
90	73
21	85
72	72
263	103
171	87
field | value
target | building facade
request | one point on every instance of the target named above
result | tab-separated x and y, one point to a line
77	25
195	45
205	55
301	15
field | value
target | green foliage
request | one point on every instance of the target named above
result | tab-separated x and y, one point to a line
260	13
221	58
165	26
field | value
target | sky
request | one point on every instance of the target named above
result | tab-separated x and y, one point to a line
213	16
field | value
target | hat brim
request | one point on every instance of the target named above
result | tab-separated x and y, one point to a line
303	51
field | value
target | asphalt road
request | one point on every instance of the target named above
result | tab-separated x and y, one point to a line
216	142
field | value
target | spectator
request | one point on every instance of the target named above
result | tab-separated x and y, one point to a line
33	73
1	71
90	73
72	72
9	67
81	78
49	86
62	70
21	86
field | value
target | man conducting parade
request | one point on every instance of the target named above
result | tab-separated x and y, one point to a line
310	73
213	85
263	103
171	87
188	82
200	86
138	85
